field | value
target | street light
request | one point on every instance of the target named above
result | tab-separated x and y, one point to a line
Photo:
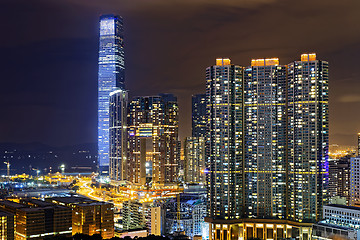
62	168
8	168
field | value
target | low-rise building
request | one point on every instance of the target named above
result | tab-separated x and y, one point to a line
339	220
7	225
36	219
132	215
89	216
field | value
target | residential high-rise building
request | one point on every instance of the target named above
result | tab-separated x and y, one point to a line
339	178
133	215
277	132
265	134
199	120
308	138
224	93
111	76
355	181
194	160
118	134
154	152
333	178
358	146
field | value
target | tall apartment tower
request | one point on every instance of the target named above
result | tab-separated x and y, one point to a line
118	134
339	178
308	138
199	115
154	153
194	155
194	146
358	144
265	134
355	181
267	148
111	77
224	95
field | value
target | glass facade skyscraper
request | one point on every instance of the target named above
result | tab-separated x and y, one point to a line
111	76
118	135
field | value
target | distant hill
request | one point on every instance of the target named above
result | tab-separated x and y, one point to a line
29	157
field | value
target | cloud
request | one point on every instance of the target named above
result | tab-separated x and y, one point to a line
169	43
350	99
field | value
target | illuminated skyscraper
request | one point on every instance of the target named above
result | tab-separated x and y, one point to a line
308	138
111	76
118	134
199	115
265	134
153	140
224	95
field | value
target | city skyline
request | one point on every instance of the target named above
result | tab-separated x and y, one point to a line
52	106
190	119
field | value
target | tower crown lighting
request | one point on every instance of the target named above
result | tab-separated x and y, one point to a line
223	61
264	62
307	57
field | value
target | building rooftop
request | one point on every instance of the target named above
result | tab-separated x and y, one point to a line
12	204
332	226
73	199
29	205
343	206
5	214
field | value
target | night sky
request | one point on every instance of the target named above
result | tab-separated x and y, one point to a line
49	55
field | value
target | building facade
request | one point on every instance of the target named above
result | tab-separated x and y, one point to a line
358	144
118	135
7	225
133	216
194	161
339	178
280	130
308	138
224	96
188	217
111	76
265	139
355	181
154	153
339	222
89	216
36	219
198	115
